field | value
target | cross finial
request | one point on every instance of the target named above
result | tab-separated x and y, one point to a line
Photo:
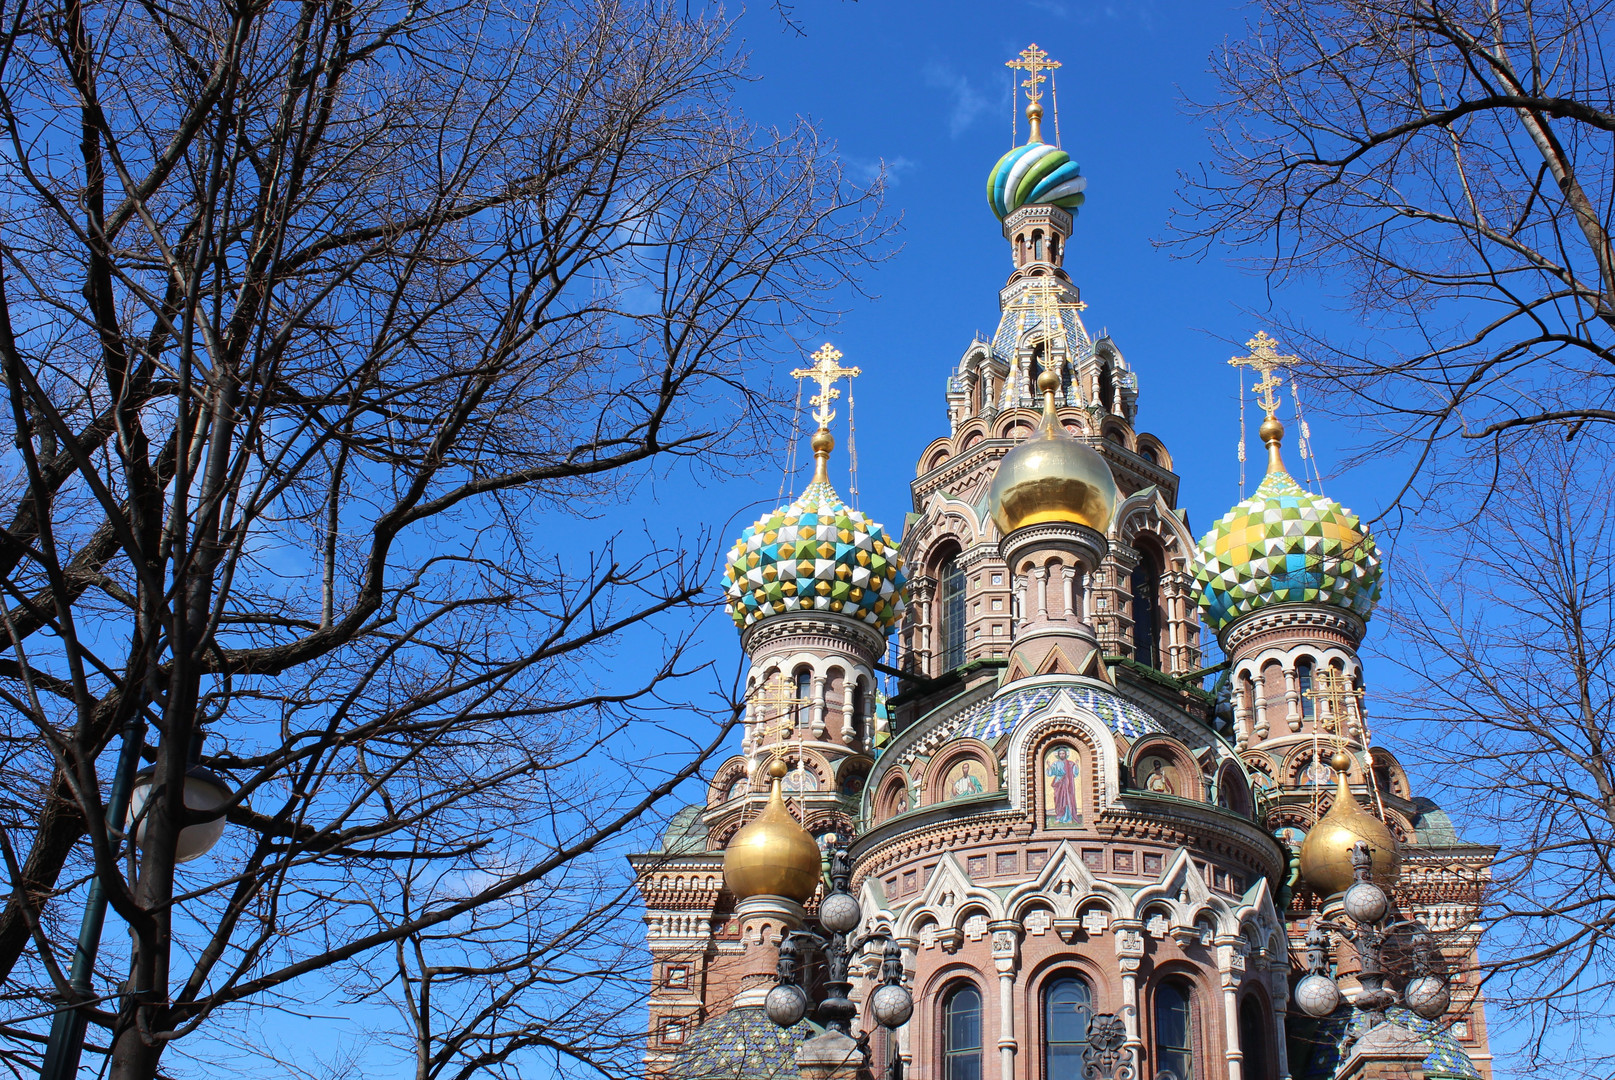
825	371
1329	687
1034	61
1264	358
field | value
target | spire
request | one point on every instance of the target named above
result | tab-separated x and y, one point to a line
1264	359
825	371
1034	61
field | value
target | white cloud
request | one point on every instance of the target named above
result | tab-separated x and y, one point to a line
866	171
967	103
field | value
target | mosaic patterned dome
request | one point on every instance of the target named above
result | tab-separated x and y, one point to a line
1035	174
817	554
1285	545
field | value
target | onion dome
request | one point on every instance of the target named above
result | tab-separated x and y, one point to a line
1052	477
1036	174
772	855
817	554
1285	545
1326	852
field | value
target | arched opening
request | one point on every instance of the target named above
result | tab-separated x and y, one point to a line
1303	683
1253	1032
951	594
1037	245
1054	249
961	1034
1173	1024
1067	1008
1146	585
801	693
860	727
1107	387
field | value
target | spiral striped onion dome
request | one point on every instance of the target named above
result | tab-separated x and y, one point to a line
1033	175
817	554
1285	545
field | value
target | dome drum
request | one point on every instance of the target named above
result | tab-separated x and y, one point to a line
1087	544
812	629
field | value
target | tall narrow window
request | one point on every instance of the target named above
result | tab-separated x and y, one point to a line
1253	1029
1146	611
961	1035
1303	683
1107	387
1067	1007
953	614
801	690
1037	245
1174	1045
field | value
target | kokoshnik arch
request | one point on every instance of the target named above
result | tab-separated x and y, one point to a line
1050	815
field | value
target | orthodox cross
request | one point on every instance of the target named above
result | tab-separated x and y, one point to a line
1034	61
825	371
1042	301
1264	359
1329	687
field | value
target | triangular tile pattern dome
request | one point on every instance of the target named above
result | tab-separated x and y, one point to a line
1285	545
1036	174
817	554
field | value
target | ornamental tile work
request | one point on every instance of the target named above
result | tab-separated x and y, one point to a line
1447	1059
998	716
1036	174
1285	544
816	554
742	1044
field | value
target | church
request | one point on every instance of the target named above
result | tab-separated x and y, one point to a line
1051	802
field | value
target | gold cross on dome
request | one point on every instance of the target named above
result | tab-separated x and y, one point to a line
1042	301
1264	358
825	371
1329	687
1034	61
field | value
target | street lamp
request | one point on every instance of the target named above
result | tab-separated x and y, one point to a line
839	913
1373	923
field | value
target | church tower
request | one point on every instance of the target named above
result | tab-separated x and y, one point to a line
1065	833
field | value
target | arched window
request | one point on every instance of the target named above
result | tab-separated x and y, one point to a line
1037	245
952	592
1146	611
1107	387
1067	1008
1253	1031
860	723
961	1035
1054	249
1174	1039
801	691
1303	683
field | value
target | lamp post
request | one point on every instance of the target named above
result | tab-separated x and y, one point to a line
840	914
203	797
1373	923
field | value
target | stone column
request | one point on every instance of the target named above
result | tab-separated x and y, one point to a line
1259	691
1231	968
818	706
1292	699
1006	959
1130	954
1068	591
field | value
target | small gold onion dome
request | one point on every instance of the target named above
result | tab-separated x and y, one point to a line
772	855
1326	852
1052	477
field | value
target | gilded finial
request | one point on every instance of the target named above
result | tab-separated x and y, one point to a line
1264	359
1034	61
825	371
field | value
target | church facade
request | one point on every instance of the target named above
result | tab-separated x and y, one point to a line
1063	809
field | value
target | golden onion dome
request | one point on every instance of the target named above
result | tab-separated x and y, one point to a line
1052	477
772	855
1326	852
